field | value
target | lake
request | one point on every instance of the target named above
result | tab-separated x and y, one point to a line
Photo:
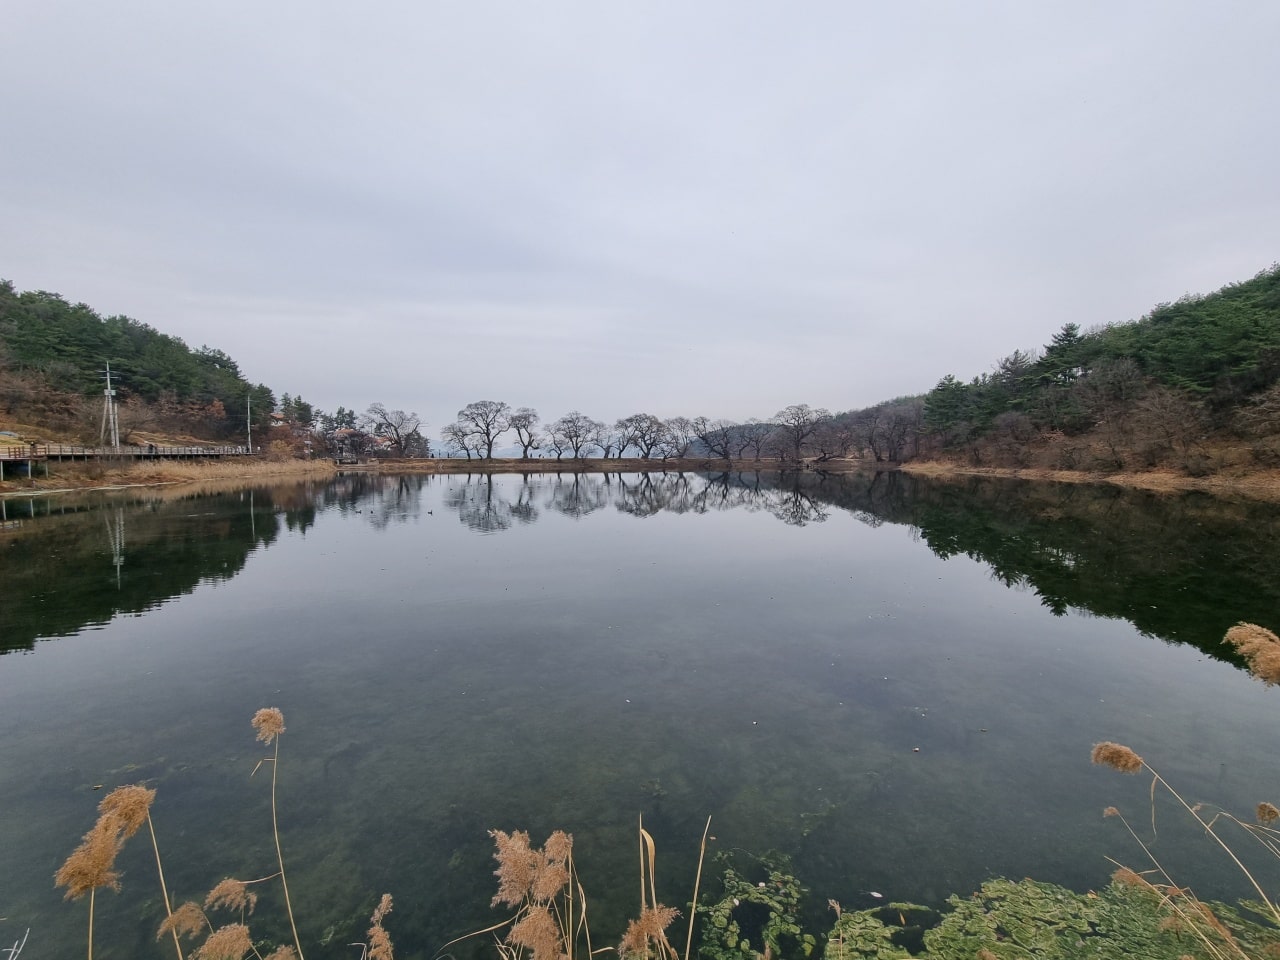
894	682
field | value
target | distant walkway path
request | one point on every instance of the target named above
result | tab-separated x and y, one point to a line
24	457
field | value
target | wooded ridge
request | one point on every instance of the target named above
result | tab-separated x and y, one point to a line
1194	385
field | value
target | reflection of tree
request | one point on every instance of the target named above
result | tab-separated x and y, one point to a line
794	506
477	505
579	496
394	498
383	499
639	496
524	510
60	573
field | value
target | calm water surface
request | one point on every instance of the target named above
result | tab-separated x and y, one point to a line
896	683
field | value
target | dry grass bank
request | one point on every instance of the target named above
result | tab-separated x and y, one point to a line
87	476
1255	484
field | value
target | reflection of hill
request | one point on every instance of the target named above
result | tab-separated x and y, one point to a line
80	563
1180	568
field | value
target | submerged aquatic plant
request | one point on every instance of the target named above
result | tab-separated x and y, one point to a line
757	919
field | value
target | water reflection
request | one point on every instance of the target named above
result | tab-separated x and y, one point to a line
79	562
489	507
547	651
1181	568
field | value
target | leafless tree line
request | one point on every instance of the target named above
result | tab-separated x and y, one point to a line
889	431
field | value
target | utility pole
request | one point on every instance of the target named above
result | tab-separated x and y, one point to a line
109	415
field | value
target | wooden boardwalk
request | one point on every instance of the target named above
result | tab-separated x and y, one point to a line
145	451
23	458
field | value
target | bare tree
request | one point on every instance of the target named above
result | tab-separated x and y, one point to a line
459	437
1171	421
753	435
402	429
904	424
835	438
623	435
575	432
646	431
716	435
886	430
678	436
525	423
1260	416
602	437
488	419
555	440
797	423
869	430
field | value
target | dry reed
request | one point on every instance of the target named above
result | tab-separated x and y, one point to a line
1116	756
540	884
187	921
123	811
231	894
269	722
646	935
1187	913
226	943
379	945
121	814
1260	649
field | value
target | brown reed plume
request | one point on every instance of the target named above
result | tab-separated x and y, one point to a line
646	934
269	722
226	943
187	921
121	813
543	886
1117	757
379	945
1188	913
132	804
232	894
91	865
1260	649
190	920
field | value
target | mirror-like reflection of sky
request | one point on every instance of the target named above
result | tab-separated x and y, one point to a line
455	654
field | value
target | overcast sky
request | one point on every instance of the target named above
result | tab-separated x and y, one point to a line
677	208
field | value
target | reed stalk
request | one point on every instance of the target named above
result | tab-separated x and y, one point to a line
697	881
269	722
164	890
275	829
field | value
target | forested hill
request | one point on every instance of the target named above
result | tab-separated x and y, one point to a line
1203	364
1222	346
51	348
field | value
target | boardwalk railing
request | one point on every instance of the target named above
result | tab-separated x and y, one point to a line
64	451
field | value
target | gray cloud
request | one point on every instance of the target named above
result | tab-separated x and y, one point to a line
718	208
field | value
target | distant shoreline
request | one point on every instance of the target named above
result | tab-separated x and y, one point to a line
1256	485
